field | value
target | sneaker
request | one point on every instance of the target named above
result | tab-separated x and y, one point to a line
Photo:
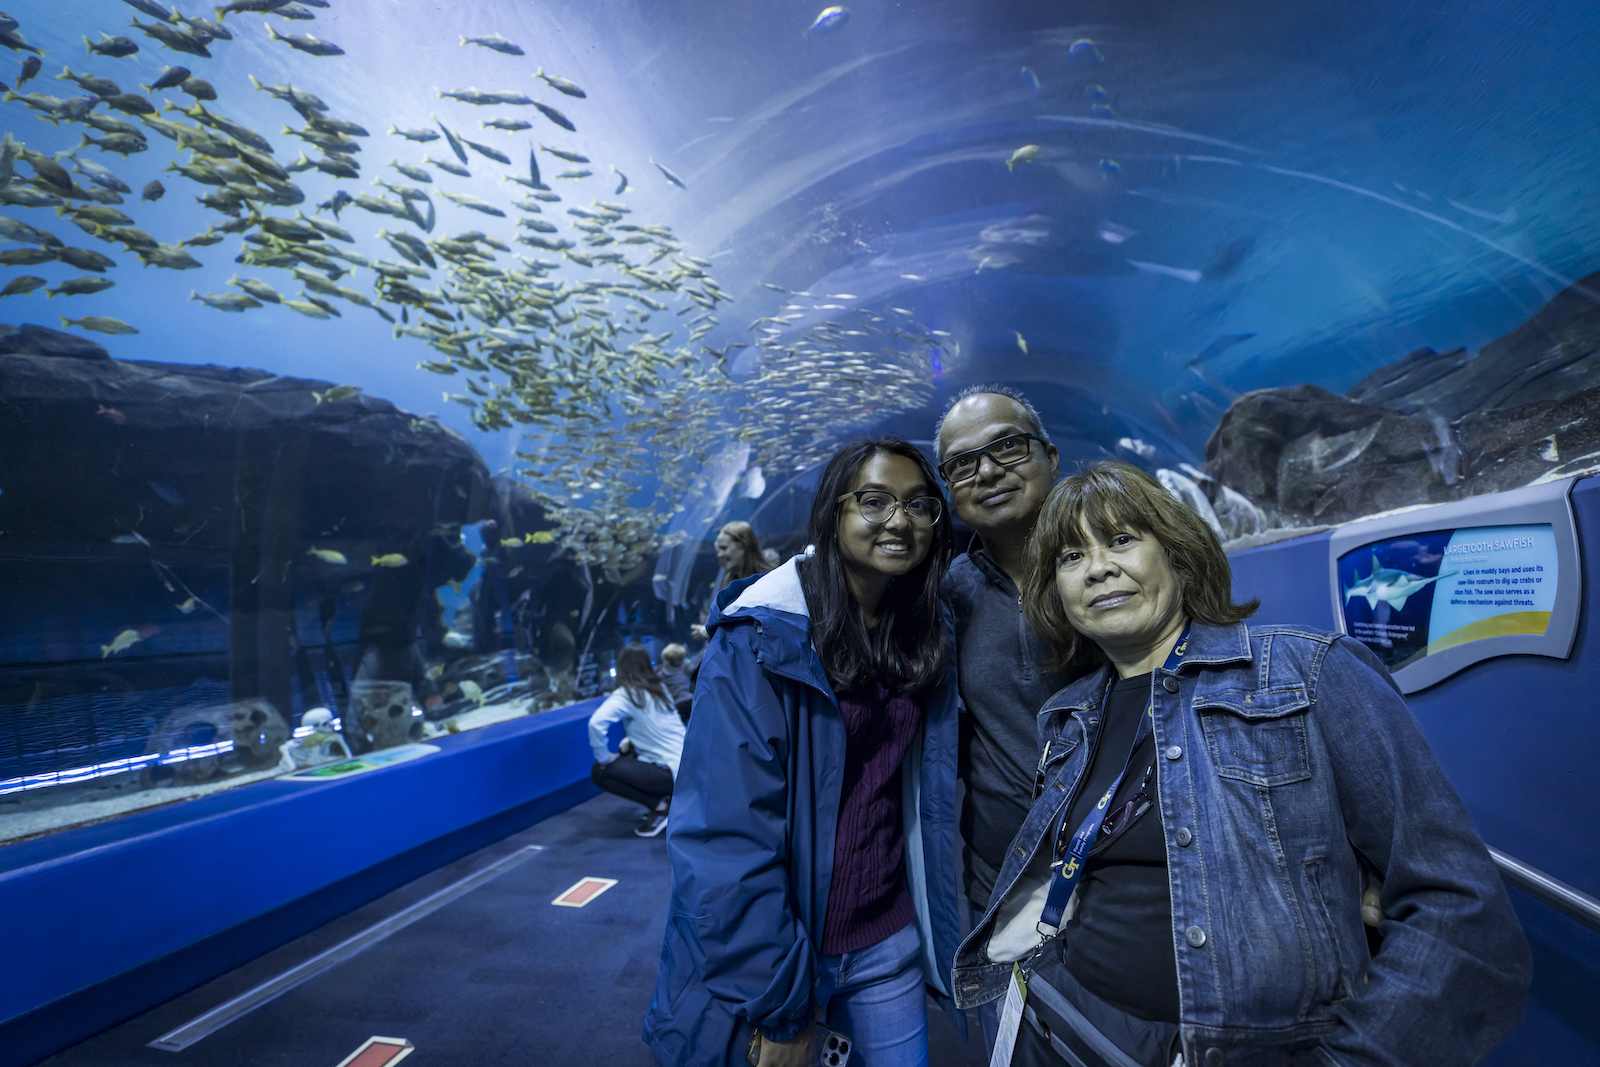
652	824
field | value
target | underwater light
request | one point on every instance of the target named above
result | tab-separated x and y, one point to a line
101	770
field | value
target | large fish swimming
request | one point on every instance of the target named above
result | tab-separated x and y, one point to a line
1393	587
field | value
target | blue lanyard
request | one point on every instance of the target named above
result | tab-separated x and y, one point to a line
1069	868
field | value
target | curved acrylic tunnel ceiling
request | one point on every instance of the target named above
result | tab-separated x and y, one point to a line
1221	200
1223	197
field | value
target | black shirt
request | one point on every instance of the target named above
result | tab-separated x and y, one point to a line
1119	943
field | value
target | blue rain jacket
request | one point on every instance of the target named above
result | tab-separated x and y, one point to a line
1281	753
751	834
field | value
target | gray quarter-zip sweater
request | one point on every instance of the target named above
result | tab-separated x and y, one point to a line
1003	684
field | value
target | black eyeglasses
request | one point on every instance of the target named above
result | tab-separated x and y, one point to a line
1008	451
877	506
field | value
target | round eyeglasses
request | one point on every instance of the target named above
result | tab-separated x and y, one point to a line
878	507
1007	452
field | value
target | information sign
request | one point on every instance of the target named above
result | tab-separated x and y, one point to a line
1432	591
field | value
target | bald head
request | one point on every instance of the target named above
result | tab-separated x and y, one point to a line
985	406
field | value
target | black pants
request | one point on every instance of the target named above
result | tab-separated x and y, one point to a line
633	779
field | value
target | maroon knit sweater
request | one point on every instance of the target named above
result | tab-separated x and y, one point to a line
868	898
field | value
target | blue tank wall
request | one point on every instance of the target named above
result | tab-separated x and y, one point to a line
204	886
1516	736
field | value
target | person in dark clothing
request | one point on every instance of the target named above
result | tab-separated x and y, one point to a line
403	602
998	466
676	678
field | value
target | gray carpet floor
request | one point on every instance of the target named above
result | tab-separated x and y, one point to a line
497	976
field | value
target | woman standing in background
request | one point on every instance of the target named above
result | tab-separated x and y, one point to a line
739	556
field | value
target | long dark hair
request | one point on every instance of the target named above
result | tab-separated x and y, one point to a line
1100	498
638	678
908	648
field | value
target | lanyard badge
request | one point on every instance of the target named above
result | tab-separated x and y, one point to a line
1069	868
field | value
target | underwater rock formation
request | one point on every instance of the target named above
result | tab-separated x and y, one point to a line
1431	428
169	466
31	340
1553	355
1307	456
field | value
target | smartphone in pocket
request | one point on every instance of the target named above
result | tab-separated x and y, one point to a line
833	1048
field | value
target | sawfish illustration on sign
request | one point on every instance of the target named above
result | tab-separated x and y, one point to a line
1393	587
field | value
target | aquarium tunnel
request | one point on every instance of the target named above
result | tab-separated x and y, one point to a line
374	372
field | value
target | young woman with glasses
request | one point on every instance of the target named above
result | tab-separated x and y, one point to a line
813	828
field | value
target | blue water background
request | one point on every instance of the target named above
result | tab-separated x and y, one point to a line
1350	182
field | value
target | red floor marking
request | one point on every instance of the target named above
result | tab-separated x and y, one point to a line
379	1052
584	891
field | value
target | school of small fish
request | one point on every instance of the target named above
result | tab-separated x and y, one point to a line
554	337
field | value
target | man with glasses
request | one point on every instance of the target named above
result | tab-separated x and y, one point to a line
998	465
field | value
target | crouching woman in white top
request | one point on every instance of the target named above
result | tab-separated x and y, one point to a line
644	770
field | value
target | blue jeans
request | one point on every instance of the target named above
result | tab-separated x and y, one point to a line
874	996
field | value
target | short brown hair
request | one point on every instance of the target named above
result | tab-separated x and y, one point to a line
1100	498
673	655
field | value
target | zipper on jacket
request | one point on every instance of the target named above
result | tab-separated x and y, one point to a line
1022	639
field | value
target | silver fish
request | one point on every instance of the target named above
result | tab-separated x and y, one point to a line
416	174
448	167
304	42
298	99
495	42
488	151
421	136
225	301
560	85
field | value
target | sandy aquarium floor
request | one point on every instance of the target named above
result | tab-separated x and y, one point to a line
41	811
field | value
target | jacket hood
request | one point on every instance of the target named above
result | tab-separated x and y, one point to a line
775	605
776	592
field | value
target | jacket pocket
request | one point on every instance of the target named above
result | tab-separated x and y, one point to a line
1331	983
1258	737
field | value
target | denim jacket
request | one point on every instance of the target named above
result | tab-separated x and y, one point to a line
1286	760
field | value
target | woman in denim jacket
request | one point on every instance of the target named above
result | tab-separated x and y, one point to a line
1209	807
